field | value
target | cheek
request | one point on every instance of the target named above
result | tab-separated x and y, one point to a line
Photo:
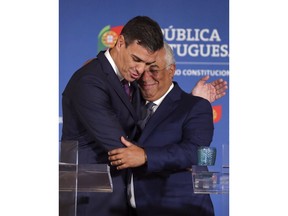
128	64
125	60
155	91
125	65
151	92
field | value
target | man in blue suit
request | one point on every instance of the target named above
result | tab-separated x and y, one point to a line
97	111
167	148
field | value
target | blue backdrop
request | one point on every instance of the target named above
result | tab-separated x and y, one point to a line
197	30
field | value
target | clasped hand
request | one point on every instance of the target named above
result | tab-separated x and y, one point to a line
127	157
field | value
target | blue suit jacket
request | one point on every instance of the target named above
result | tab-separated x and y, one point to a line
164	187
97	112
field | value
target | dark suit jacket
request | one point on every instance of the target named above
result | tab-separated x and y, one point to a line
96	112
164	187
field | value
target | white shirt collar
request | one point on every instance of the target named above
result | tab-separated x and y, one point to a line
115	68
159	101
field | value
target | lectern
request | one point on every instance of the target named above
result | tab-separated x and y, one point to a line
214	181
74	177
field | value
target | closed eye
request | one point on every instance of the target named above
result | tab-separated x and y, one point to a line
136	59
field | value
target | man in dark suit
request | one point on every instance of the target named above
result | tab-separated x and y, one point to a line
167	148
97	111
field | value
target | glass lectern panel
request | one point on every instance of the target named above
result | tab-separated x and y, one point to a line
209	182
74	177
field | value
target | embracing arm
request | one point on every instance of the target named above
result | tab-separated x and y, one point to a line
129	157
92	103
197	130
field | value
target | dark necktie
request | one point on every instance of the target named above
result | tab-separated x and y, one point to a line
127	88
148	114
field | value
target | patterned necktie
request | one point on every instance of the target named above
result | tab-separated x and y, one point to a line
127	88
148	114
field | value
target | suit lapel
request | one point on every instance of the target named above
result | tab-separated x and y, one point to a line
116	84
168	105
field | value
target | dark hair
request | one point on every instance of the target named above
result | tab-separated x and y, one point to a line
146	31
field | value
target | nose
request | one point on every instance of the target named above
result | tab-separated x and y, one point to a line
141	68
145	76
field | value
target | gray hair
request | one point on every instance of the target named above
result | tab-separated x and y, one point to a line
169	56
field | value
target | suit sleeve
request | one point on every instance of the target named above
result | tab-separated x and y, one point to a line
92	102
197	130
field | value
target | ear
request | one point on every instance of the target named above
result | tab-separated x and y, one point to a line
120	41
172	69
